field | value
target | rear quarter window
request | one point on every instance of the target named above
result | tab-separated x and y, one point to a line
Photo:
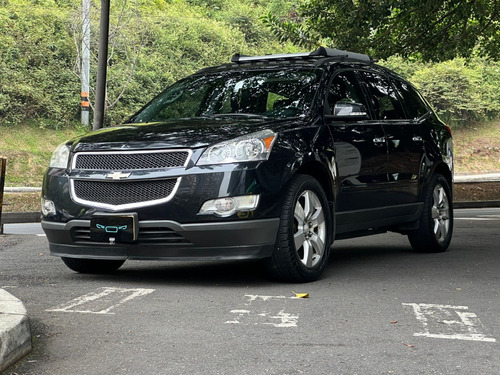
415	106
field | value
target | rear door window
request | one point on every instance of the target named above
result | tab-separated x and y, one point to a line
383	97
344	88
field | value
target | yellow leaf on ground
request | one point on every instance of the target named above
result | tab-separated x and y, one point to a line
301	295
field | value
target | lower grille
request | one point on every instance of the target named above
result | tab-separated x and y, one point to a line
123	195
150	235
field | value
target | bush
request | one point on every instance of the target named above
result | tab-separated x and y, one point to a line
36	57
152	44
461	91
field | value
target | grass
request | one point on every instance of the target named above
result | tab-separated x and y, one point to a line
28	150
477	148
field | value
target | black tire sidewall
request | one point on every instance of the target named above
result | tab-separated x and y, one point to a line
424	239
299	271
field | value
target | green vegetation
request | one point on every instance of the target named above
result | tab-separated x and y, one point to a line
463	92
429	30
477	148
28	150
154	43
151	45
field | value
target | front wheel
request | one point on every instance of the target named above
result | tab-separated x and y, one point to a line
305	233
92	265
436	222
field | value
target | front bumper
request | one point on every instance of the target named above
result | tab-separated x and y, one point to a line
168	240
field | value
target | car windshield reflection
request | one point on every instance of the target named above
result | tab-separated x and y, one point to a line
275	94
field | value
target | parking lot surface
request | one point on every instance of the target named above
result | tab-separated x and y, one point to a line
378	309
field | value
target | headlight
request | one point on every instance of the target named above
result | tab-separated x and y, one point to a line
60	157
251	147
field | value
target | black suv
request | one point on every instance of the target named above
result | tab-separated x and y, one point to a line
267	157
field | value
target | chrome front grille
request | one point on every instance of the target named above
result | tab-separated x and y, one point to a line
131	160
123	194
117	191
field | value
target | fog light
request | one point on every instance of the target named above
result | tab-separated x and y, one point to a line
48	207
228	206
225	205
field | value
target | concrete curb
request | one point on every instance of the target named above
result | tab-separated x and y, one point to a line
476	204
485	177
15	332
21	217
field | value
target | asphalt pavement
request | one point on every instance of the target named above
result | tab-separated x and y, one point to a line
378	309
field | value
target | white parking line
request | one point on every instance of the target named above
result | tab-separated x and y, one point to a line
279	319
102	301
449	322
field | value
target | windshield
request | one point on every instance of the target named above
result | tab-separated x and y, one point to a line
276	93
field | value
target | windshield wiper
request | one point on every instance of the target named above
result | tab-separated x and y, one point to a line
235	115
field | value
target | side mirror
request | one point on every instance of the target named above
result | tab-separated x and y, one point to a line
348	111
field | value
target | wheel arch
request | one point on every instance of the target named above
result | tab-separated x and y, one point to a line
443	169
318	171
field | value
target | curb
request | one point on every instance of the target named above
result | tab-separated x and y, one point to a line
15	332
476	204
21	217
485	177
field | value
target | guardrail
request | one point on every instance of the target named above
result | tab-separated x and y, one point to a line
3	166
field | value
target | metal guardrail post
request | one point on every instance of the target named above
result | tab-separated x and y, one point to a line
3	165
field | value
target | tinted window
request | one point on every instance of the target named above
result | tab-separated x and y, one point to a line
413	102
345	88
246	93
383	97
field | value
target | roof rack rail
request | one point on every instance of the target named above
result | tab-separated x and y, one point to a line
318	53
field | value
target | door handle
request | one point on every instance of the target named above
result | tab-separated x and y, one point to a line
379	141
417	138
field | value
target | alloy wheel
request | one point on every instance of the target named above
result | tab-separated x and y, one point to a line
309	228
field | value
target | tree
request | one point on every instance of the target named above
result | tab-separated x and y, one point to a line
430	30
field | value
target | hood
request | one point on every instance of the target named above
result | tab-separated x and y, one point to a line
189	133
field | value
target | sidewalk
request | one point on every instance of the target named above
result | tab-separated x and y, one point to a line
15	333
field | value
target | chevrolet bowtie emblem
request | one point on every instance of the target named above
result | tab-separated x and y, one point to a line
117	175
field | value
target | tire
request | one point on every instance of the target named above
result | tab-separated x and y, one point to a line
305	233
436	223
96	266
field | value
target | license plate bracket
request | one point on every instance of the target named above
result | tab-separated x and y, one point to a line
114	228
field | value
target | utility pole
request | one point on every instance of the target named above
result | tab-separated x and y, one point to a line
85	62
100	95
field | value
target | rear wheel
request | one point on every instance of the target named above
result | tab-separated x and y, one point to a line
436	223
305	233
92	265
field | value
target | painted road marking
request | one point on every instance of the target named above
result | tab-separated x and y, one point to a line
102	301
480	218
449	322
477	218
251	298
280	319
